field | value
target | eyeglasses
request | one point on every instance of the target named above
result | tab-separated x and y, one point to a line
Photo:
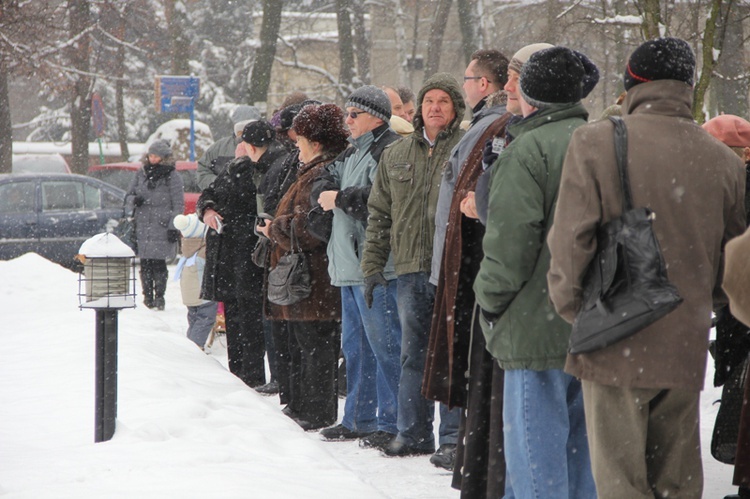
353	114
467	78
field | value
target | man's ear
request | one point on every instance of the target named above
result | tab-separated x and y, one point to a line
746	154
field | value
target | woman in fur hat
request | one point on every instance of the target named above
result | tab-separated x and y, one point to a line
313	322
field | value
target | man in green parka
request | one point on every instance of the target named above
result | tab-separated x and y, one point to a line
543	420
401	221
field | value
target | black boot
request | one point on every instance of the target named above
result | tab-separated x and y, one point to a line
160	287
147	283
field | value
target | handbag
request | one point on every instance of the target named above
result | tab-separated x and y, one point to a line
289	282
125	230
626	287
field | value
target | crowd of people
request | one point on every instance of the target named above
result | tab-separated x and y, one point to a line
445	261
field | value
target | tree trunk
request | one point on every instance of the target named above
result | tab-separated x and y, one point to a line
470	34
260	76
552	33
414	47
80	102
346	42
122	129
362	43
709	39
730	89
179	45
6	130
651	14
435	44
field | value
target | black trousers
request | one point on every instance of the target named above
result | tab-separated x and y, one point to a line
245	340
153	277
313	382
281	342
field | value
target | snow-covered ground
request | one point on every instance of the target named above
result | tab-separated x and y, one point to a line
186	427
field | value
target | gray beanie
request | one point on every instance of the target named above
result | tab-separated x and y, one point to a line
372	100
242	115
160	148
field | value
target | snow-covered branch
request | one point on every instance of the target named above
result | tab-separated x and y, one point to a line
622	20
121	42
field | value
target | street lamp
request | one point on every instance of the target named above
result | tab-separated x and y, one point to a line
106	285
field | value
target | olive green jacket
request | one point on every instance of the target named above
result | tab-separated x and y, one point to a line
519	323
404	195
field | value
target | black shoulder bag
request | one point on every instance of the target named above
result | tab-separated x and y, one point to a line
289	282
626	286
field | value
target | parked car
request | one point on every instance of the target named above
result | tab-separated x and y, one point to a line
121	174
53	213
40	163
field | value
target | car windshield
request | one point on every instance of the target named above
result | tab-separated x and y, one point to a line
116	177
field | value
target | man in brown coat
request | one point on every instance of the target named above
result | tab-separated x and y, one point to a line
641	395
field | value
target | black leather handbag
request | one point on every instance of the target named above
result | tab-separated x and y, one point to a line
289	282
625	287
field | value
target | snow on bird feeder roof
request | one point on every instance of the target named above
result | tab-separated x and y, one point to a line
108	277
105	245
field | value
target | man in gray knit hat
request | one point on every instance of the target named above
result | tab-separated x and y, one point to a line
221	152
370	336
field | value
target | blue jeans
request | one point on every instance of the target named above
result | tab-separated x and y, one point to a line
201	320
415	413
371	341
546	446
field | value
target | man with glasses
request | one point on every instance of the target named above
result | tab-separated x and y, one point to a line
370	335
402	222
459	250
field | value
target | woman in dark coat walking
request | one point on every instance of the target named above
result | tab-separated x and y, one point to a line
229	207
156	196
314	321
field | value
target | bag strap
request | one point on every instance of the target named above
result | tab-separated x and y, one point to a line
292	239
621	153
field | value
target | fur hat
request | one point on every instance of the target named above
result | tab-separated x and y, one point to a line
372	100
189	225
552	76
322	123
242	115
730	129
258	133
660	59
520	57
160	148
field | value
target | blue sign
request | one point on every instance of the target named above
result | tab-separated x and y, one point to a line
176	94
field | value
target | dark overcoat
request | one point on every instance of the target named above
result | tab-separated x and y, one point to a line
229	271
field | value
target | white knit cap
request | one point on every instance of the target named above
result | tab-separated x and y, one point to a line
189	225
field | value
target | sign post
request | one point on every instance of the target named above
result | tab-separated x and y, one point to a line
99	120
177	94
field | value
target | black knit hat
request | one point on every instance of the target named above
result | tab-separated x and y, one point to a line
286	116
591	76
372	100
552	76
660	59
258	133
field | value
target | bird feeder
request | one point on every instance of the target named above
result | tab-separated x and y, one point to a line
107	284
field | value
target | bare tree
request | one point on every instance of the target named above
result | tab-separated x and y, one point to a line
362	43
346	42
79	20
179	45
470	33
651	13
709	39
435	43
729	85
260	77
